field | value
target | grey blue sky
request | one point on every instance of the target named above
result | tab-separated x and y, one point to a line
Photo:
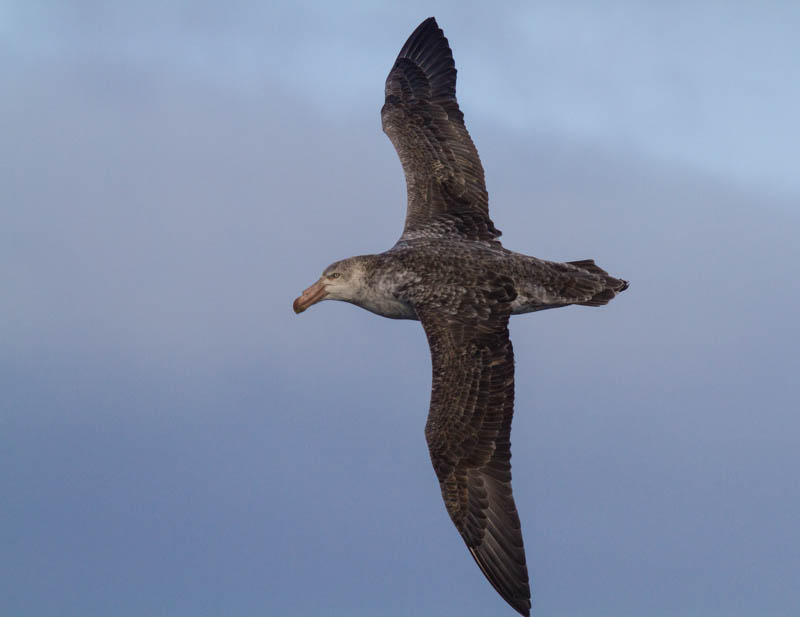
175	442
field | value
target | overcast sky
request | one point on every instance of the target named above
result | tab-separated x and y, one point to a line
175	442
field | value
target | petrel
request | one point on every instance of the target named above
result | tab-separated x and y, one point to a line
449	271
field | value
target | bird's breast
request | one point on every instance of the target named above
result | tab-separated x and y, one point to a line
388	306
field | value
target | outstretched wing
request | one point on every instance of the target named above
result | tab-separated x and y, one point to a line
469	427
444	176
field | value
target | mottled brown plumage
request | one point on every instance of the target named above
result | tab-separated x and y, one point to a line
444	175
449	271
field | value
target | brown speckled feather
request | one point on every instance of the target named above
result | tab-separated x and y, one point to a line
469	425
444	175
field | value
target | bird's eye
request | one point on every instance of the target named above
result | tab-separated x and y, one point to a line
335	275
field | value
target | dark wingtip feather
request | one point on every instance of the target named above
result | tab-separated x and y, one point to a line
499	551
428	49
421	32
517	596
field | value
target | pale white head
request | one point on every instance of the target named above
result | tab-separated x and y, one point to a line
342	280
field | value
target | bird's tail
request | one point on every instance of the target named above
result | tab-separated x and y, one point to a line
612	288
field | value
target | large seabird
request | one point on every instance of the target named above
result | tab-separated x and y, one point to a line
449	271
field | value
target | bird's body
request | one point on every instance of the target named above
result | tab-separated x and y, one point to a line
450	272
412	270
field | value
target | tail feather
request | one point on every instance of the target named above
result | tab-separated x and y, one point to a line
612	288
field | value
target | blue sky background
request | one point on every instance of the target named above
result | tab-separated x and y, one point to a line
175	442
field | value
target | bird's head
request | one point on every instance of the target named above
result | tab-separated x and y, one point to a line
342	280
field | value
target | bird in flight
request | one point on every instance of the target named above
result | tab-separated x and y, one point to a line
449	271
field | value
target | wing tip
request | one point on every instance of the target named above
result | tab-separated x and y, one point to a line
428	51
423	30
520	602
424	38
